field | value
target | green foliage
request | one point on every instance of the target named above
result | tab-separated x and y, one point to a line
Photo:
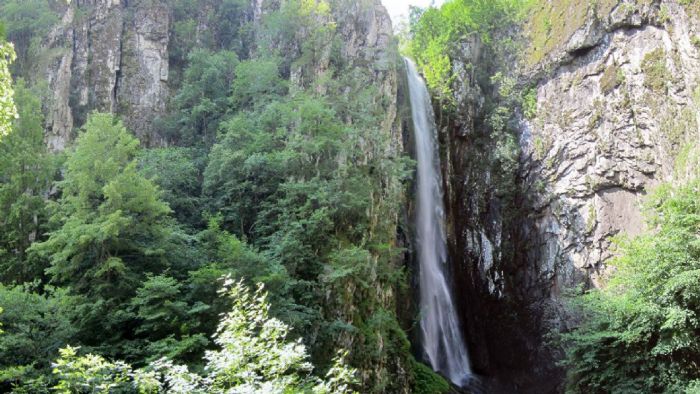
202	99
112	223
300	169
225	27
8	111
167	318
178	174
530	104
675	125
35	326
687	164
695	40
91	374
640	333
435	34
281	170
656	74
550	24
427	381
27	22
110	230
611	79
299	33
254	356
26	172
500	118
257	82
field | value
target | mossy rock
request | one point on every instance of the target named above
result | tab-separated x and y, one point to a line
656	74
692	7
426	381
552	23
611	79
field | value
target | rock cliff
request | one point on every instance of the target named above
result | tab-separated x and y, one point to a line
614	103
613	115
112	56
615	97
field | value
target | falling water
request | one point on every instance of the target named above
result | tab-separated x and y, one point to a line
443	342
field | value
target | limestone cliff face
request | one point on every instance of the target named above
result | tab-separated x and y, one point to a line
612	117
111	55
498	288
615	91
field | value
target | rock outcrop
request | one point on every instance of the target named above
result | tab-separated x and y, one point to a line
612	117
111	56
616	92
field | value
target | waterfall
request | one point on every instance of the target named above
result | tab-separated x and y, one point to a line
442	338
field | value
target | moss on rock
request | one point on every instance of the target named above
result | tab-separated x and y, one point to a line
656	74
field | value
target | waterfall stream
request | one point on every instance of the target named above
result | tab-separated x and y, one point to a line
442	338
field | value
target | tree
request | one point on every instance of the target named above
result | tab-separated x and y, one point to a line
203	98
35	326
168	323
26	172
110	230
254	356
112	223
226	255
8	111
257	83
178	173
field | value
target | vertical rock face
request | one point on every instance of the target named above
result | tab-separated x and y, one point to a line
498	291
97	51
59	119
612	118
617	100
112	58
367	40
142	86
369	53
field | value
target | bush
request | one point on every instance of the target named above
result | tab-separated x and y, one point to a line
426	381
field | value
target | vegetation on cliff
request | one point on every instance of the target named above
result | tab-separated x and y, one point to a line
436	35
280	170
639	332
278	164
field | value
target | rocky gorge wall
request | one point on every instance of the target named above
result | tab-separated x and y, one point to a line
124	57
612	118
615	91
110	56
613	106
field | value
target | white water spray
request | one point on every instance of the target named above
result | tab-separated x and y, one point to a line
442	338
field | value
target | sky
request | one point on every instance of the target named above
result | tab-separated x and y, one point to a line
398	9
